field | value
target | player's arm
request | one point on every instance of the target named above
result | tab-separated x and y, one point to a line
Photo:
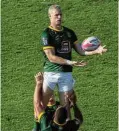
48	49
37	101
72	99
77	114
79	50
50	53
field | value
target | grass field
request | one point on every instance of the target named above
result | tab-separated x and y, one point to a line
96	84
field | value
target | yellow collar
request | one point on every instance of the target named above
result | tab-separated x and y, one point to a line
51	104
55	29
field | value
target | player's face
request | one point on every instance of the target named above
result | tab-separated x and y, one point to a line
52	99
56	17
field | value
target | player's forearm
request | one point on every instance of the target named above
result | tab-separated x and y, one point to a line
60	60
38	108
38	92
77	113
37	98
90	52
80	51
50	53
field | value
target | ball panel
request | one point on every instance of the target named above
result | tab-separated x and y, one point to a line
91	43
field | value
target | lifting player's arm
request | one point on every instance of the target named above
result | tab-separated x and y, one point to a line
38	108
77	113
50	53
79	50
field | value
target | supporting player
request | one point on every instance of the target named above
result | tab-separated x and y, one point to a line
54	117
38	105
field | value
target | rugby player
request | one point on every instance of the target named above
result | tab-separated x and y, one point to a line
57	43
54	117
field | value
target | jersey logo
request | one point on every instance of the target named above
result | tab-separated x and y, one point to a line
45	41
65	47
68	34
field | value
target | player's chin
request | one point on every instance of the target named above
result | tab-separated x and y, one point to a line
58	22
51	100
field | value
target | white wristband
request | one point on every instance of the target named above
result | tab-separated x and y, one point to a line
69	62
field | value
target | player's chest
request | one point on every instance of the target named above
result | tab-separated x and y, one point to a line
58	37
62	42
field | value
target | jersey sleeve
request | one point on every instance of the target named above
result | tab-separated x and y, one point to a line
74	38
44	124
45	41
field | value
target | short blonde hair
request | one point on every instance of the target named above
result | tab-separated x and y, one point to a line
54	7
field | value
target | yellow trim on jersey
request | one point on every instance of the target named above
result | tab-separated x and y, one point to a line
76	42
55	29
59	124
39	116
48	47
51	104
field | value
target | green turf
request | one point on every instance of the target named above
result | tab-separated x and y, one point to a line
21	58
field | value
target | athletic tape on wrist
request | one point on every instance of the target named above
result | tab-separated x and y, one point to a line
69	62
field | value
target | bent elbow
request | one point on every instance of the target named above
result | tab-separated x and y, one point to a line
52	59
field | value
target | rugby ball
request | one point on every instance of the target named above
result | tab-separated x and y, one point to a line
91	43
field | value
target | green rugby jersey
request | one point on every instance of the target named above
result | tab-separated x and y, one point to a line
62	41
50	110
45	125
46	118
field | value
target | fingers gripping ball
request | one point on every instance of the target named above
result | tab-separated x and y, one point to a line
91	43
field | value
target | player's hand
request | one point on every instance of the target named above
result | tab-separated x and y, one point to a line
81	63
39	77
66	99
100	50
72	99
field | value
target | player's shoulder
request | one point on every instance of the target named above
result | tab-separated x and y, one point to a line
44	32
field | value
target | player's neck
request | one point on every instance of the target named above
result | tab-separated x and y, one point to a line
56	27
